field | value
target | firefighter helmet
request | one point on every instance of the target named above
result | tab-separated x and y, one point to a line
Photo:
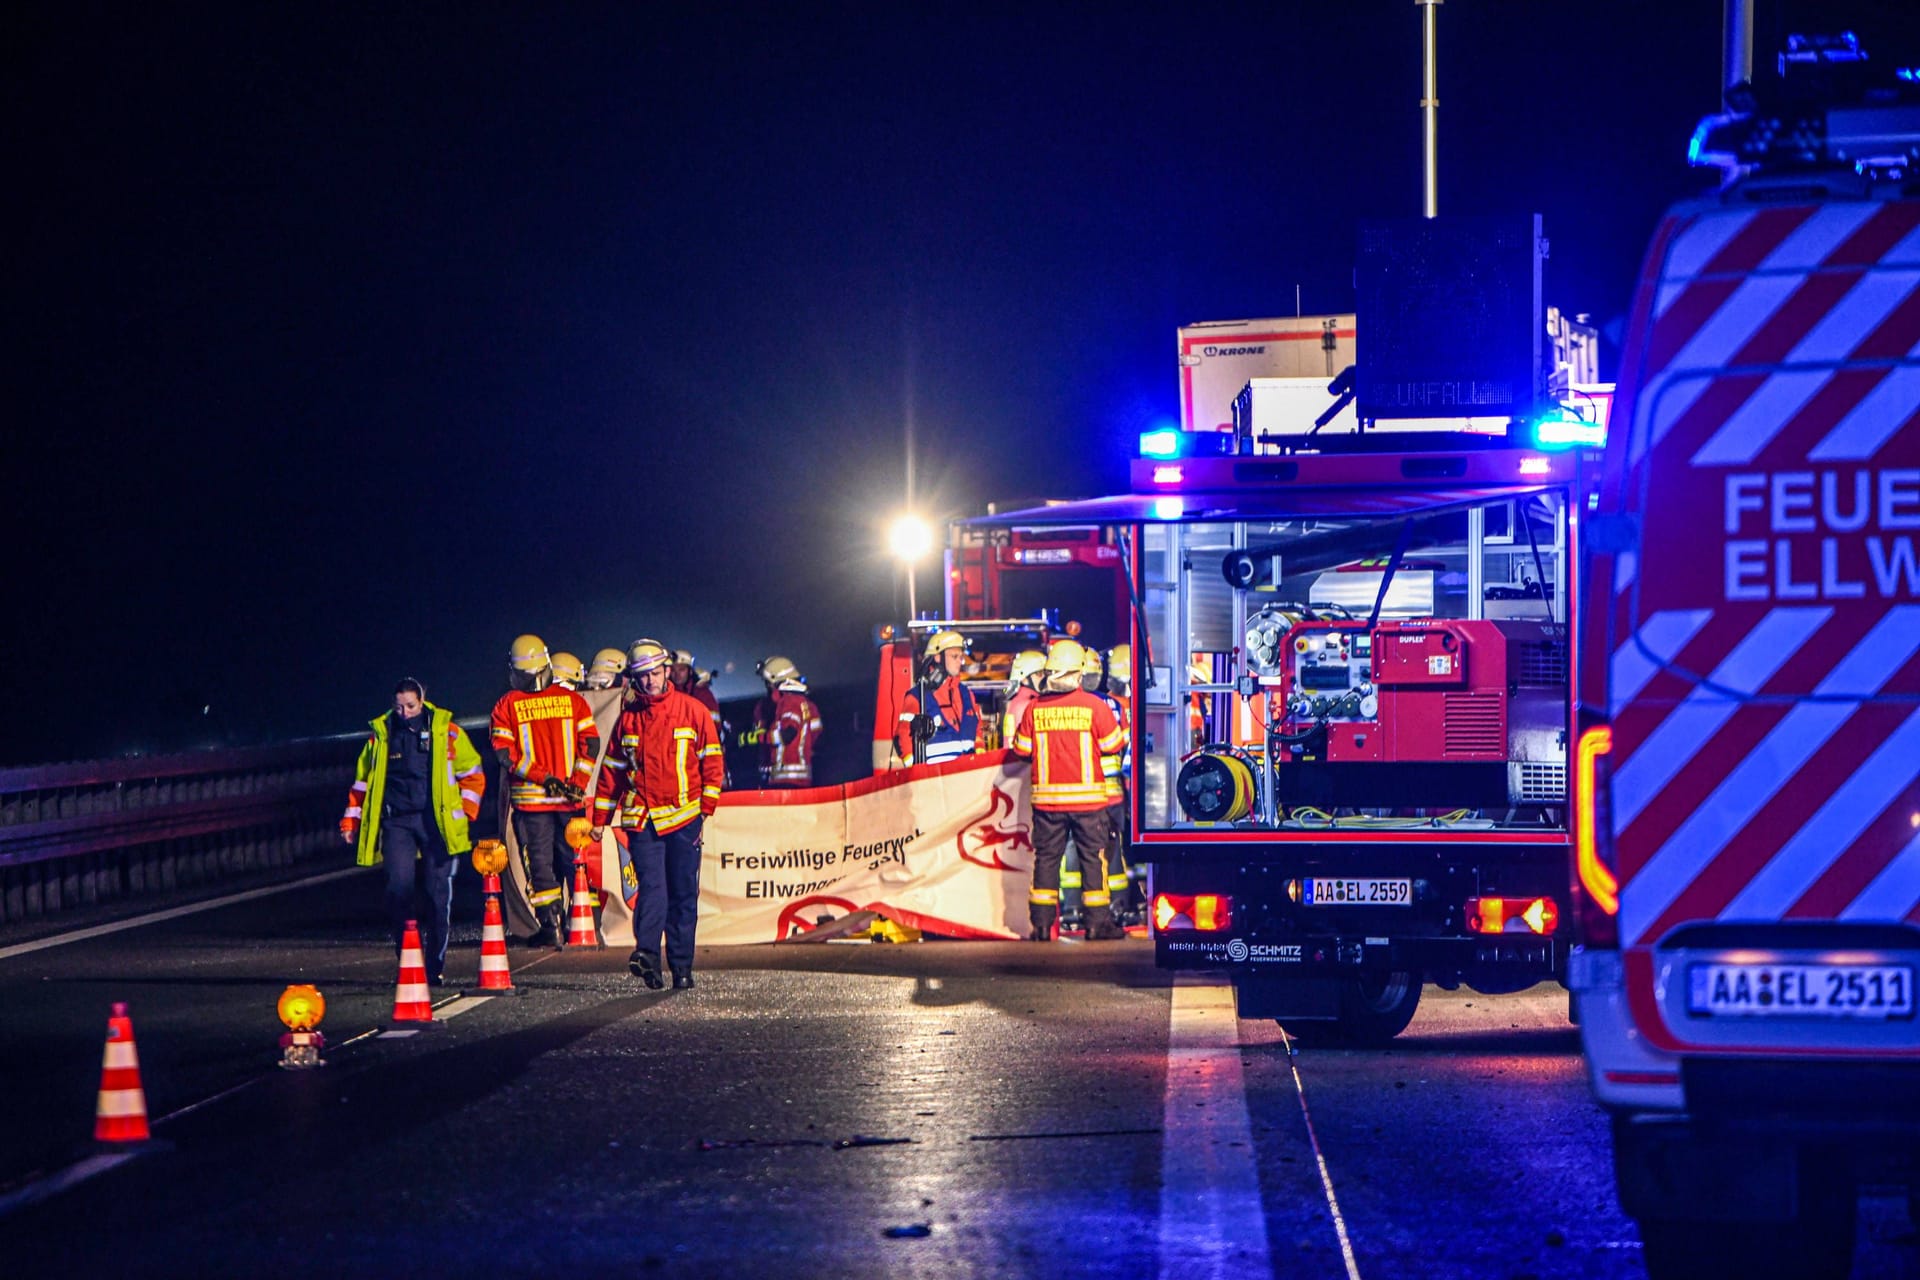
776	670
1026	664
1064	661
1120	664
528	653
683	657
1090	664
606	668
568	671
644	656
941	641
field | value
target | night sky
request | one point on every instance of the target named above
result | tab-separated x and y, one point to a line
345	343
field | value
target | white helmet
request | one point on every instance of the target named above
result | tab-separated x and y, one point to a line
1026	664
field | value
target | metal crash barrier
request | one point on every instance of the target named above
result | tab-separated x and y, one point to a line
80	834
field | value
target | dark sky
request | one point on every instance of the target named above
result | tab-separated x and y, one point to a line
348	342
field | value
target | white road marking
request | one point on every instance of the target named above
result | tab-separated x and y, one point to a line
172	913
1212	1222
459	1005
1319	1159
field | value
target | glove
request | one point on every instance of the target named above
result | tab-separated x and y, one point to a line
349	830
564	789
922	728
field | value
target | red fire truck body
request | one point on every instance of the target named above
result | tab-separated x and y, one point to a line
1399	812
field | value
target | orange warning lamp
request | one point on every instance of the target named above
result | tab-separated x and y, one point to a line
579	835
1073	627
490	857
302	1006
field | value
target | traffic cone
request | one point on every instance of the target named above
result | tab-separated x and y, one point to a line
411	1003
121	1113
580	931
494	978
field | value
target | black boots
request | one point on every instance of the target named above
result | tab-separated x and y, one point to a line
683	980
645	965
1101	926
1042	919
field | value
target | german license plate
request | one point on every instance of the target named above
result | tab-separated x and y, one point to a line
1800	991
1328	892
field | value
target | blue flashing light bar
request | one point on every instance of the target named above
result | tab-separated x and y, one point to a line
1164	443
1562	430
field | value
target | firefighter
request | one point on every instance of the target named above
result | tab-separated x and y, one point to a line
660	784
416	789
1128	900
786	726
607	666
1065	731
939	719
567	671
686	678
546	742
1023	686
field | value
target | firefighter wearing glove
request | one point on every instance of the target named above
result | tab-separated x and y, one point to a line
546	741
786	726
415	792
1064	732
938	718
659	784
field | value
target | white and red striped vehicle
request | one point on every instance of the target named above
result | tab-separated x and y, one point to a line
1747	825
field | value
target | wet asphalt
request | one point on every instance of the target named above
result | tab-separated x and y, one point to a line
937	1109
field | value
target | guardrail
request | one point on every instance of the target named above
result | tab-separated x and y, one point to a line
77	835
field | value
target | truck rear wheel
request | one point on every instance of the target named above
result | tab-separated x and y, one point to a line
1376	1007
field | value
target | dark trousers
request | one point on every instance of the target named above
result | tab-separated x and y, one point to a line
419	883
542	837
1091	837
668	868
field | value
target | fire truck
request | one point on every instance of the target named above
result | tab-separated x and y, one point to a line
1352	698
1008	588
1747	760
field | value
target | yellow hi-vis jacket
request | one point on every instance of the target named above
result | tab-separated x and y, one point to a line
458	784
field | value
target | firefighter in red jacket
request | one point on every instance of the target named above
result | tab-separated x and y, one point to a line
546	741
686	678
786	726
659	784
1065	732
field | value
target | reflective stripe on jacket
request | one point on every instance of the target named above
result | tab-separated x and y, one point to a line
1065	734
545	735
664	766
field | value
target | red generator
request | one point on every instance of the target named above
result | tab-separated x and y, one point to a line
1421	713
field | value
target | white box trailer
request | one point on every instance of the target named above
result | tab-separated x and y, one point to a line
1219	357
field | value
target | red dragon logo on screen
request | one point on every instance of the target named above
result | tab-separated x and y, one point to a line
997	831
804	915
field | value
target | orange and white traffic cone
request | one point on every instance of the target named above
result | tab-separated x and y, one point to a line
120	1116
495	980
411	1003
580	931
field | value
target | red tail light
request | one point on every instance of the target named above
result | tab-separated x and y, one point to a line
1593	840
1205	912
1512	915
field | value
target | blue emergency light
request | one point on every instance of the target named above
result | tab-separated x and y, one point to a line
1561	428
1164	443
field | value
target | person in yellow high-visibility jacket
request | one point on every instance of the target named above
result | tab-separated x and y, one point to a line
416	788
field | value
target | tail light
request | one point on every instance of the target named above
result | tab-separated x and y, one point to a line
1205	912
1593	840
1512	915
